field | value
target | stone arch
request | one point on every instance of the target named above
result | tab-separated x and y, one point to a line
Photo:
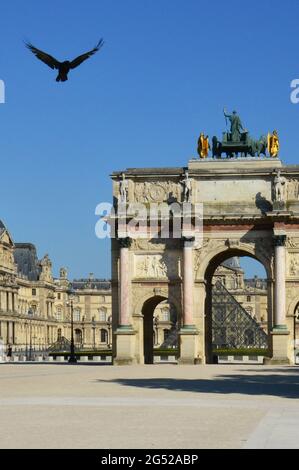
208	267
292	306
163	293
225	251
147	311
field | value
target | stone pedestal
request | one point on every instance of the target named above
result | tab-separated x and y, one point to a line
188	338
125	346
280	339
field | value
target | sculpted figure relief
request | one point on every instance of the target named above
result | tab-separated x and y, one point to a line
187	187
293	189
294	265
156	266
123	189
280	187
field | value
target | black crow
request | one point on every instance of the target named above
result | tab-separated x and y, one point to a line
63	67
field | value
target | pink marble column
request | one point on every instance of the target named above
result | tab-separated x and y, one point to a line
188	284
280	283
124	305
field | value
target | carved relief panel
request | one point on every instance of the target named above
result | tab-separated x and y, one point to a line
160	191
293	264
157	266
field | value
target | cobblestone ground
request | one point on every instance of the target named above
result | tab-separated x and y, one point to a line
158	406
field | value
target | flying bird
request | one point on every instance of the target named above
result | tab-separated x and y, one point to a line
62	67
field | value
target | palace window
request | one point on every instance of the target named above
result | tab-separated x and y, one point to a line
248	298
165	314
78	336
77	314
102	312
33	291
59	313
104	335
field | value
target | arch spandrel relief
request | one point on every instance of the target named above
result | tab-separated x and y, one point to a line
260	248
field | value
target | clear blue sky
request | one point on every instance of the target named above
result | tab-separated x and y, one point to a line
167	69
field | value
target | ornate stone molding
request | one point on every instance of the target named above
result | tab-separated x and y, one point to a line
156	244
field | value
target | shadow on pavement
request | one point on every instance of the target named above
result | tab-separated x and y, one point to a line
284	385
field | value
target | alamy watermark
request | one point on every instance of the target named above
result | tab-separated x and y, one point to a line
294	96
154	220
2	92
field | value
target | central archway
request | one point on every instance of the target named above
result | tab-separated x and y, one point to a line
215	288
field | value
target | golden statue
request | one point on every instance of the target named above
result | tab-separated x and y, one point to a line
203	145
273	144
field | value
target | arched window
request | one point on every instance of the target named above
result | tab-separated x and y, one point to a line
104	335
102	314
77	314
59	334
34	308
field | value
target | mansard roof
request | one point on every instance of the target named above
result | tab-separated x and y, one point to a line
26	258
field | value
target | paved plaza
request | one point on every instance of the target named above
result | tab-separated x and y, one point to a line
155	406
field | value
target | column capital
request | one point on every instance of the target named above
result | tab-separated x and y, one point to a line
280	240
125	242
188	242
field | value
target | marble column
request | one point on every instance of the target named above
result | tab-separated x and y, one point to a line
124	303
188	331
280	283
188	283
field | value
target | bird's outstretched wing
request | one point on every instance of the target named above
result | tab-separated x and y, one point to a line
85	56
43	56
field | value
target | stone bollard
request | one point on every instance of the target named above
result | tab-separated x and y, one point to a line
15	359
39	358
49	359
23	358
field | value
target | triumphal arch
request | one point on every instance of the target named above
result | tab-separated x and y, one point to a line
250	207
